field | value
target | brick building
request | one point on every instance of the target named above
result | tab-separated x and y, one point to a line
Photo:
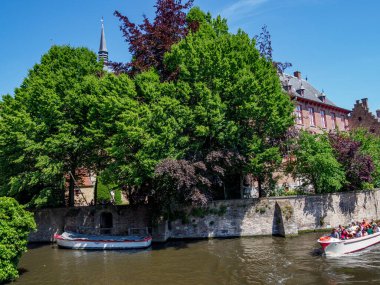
314	111
361	117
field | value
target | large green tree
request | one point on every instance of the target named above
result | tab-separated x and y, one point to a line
235	92
224	99
43	129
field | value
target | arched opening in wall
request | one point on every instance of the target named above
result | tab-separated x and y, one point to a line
106	223
360	119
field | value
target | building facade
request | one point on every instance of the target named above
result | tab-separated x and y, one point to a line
313	111
361	117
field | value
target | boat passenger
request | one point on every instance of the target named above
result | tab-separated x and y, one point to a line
359	234
376	229
353	227
344	234
370	231
334	234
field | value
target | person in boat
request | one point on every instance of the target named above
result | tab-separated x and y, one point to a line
369	231
359	234
344	234
376	229
334	234
353	227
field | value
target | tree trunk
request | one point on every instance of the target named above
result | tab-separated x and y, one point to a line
259	184
71	188
96	191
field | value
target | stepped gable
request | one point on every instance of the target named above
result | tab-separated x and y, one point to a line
361	117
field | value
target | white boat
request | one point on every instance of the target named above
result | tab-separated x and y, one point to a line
333	246
81	241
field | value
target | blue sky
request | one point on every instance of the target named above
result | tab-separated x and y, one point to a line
335	43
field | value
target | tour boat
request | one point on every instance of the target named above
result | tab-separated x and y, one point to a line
334	246
81	241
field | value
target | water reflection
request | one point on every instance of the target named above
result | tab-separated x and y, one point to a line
266	260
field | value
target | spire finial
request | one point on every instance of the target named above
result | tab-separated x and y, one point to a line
103	53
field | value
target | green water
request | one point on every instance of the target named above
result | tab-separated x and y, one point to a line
264	260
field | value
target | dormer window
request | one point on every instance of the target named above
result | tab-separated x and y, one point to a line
322	97
288	86
301	91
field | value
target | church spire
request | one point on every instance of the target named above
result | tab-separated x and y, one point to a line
103	53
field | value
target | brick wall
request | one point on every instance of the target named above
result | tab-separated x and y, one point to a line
341	119
361	117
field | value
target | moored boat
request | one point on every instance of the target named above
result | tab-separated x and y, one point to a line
81	241
333	246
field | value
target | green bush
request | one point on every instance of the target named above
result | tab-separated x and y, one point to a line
15	226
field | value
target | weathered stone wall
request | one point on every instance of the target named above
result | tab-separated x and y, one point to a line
284	216
88	220
280	216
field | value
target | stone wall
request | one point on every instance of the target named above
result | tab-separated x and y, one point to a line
361	117
88	220
284	216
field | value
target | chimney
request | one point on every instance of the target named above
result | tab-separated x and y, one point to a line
365	102
378	113
297	74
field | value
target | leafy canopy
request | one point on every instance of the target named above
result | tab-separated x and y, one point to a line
43	129
226	98
15	226
149	41
358	166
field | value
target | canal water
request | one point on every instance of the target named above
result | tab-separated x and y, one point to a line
256	260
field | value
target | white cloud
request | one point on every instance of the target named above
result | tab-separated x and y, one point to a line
241	7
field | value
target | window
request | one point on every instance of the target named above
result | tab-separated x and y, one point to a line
333	121
311	116
344	121
323	119
299	119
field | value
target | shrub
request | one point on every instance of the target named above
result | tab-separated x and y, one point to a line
104	195
15	226
358	166
316	165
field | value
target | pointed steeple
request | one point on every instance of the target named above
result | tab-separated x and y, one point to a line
103	53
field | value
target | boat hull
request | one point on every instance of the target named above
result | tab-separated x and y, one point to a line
99	244
340	247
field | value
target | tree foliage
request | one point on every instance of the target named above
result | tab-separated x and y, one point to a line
264	45
357	166
149	41
369	146
15	226
314	164
43	129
